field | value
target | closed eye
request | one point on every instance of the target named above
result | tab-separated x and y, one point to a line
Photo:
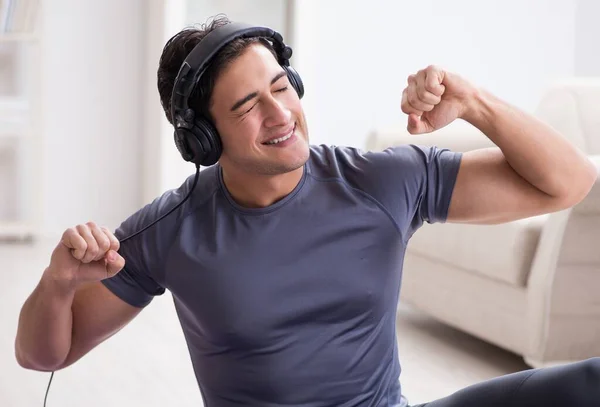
248	111
278	90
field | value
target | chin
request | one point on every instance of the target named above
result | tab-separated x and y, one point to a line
283	167
288	158
289	164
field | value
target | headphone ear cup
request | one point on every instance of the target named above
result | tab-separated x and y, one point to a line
181	137
295	80
211	142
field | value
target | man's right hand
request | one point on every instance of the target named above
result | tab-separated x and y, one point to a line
85	253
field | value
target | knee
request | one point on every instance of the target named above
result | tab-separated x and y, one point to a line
591	370
589	379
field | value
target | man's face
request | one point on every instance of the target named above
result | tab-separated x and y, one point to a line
258	115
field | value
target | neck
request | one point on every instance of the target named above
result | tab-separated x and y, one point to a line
260	191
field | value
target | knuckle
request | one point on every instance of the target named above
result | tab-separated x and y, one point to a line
91	224
114	242
412	98
103	244
107	232
93	246
93	251
69	232
430	85
432	68
81	245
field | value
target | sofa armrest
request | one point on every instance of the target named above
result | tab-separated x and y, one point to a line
564	282
457	136
591	204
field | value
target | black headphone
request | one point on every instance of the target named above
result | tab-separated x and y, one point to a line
195	137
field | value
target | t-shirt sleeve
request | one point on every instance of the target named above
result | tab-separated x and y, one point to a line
142	278
413	183
135	283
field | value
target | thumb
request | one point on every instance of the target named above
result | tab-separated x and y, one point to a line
416	124
114	262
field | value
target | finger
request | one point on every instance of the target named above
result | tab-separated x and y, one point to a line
114	263
423	92
73	240
416	125
101	239
406	107
114	242
415	102
433	81
92	247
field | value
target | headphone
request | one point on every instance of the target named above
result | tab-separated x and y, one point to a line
195	137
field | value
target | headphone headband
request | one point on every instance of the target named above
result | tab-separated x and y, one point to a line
199	58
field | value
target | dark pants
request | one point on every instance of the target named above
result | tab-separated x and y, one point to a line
572	385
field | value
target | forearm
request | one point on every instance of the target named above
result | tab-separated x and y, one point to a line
536	151
44	331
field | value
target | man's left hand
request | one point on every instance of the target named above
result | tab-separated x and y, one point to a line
434	98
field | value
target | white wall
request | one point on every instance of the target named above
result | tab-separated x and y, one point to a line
587	34
358	54
92	93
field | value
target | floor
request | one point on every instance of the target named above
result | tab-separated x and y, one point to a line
147	364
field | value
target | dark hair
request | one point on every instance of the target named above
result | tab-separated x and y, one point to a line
177	49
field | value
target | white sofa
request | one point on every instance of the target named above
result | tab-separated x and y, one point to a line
531	286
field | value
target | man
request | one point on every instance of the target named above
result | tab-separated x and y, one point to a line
285	261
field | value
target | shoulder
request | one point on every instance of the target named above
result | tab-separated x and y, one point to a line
354	164
172	205
398	177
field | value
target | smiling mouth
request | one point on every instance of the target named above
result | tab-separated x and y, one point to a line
281	139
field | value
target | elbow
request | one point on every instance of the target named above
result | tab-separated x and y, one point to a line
579	187
39	364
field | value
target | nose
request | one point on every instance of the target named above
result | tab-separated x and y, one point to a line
277	114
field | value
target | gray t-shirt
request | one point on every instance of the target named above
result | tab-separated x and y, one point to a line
293	304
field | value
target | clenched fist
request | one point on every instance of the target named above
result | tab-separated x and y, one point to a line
84	254
434	98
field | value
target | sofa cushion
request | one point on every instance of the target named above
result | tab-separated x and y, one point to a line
571	107
457	136
503	252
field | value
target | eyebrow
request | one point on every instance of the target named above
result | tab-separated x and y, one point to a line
252	95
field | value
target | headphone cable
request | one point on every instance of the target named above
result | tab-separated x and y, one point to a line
48	388
137	233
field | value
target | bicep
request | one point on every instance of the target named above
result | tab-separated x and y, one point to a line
98	314
489	191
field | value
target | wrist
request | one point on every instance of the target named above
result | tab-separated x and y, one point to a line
478	108
60	282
